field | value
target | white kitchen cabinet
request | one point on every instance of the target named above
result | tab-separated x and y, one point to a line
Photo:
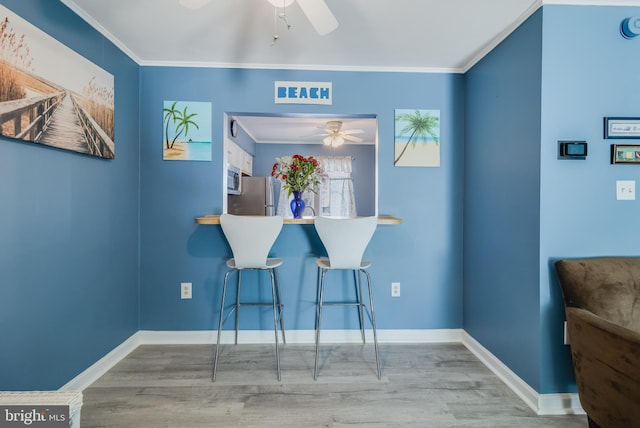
237	156
246	165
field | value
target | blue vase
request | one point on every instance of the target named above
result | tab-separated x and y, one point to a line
297	204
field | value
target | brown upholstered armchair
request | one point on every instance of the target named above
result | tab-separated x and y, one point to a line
602	303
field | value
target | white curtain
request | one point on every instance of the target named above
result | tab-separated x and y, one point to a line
336	197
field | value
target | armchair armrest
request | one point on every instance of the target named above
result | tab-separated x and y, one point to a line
606	360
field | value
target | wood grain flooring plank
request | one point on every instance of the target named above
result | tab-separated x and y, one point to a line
423	385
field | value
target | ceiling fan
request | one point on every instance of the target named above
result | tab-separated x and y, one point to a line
316	11
335	136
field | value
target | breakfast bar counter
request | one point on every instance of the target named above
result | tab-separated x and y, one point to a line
215	219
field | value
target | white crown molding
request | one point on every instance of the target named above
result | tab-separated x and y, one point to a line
503	35
531	10
594	2
311	67
98	27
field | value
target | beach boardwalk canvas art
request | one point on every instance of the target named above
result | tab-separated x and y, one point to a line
186	131
50	95
417	138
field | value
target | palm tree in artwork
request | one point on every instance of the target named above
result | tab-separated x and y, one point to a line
420	126
170	114
182	120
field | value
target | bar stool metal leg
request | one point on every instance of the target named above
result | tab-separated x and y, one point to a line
221	320
373	323
358	284
238	303
275	320
280	305
318	321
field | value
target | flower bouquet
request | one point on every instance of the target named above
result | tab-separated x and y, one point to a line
298	173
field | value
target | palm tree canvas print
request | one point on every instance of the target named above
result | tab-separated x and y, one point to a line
186	133
417	138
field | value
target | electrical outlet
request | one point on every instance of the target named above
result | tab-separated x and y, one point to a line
185	290
395	289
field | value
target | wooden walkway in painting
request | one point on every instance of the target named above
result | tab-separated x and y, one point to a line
55	120
65	130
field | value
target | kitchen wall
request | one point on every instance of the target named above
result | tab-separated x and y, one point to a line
69	227
424	253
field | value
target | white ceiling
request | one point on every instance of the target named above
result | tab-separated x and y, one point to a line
404	35
302	129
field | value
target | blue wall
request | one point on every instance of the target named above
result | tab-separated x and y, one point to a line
424	253
587	76
68	231
502	191
554	78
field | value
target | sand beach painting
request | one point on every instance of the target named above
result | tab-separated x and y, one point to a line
186	131
50	95
417	138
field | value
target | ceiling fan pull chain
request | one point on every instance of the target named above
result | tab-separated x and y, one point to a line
282	15
275	25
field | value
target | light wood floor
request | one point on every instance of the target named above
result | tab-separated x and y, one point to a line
423	385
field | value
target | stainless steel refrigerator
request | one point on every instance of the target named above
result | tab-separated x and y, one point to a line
258	196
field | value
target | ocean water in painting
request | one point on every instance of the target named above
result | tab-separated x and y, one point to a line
198	150
405	138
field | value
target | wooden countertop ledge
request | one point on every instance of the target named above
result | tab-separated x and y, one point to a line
215	219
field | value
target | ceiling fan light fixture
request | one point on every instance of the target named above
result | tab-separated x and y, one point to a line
333	140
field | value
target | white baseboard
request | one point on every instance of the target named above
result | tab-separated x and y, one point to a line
148	337
542	404
100	367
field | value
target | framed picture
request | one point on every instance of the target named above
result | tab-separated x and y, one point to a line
51	95
186	131
624	153
417	138
622	127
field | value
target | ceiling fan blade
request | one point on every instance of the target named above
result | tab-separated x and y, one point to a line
352	138
319	15
352	131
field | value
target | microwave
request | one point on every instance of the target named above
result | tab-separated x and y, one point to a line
233	180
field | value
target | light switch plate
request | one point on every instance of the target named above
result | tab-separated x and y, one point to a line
626	190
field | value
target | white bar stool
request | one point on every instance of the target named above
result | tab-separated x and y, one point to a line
251	239
345	240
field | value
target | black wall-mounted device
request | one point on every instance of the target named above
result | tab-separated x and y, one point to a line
572	149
